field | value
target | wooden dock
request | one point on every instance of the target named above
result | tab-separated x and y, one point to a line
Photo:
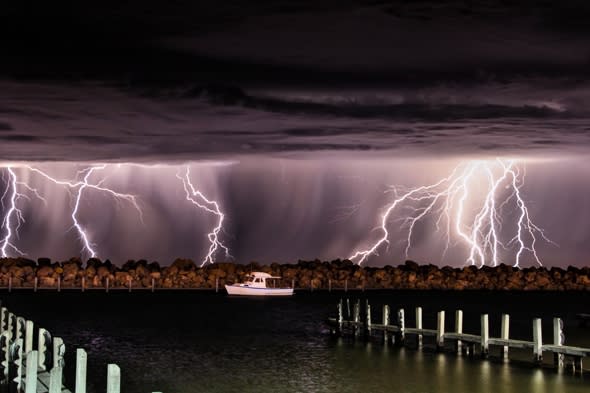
34	363
464	343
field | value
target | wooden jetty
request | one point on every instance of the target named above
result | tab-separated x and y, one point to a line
34	363
397	332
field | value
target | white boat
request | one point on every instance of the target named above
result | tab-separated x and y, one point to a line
258	284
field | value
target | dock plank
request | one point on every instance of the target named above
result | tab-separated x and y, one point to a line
472	338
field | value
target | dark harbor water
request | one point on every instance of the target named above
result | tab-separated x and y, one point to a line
180	342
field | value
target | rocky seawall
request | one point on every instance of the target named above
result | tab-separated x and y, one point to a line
184	273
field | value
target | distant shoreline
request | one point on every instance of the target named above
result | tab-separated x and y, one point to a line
16	273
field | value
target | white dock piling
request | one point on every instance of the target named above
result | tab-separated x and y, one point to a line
401	323
20	327
440	330
81	364
368	324
55	376
340	318
558	339
113	379
42	348
505	334
458	329
17	346
31	375
29	331
537	341
419	326
357	318
3	317
385	323
485	335
59	349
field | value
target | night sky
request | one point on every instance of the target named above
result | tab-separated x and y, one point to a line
296	117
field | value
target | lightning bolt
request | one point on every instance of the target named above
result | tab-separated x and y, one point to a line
199	200
447	200
14	216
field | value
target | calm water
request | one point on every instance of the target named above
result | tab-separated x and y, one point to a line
206	342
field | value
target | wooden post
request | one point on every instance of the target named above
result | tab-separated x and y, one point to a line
419	326
42	348
440	330
35	283
340	318
485	335
558	339
107	287
153	284
385	323
329	285
83	283
357	318
11	325
458	329
505	333
401	323
129	284
348	308
216	284
55	383
10	284
368	324
5	348
293	283
113	379
346	285
81	364
537	341
31	375
59	349
29	331
58	283
20	327
3	315
17	355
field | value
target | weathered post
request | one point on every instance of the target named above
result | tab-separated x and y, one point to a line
340	318
10	283
329	285
31	375
58	283
59	349
55	383
357	318
81	364
458	329
107	287
401	323
346	285
3	316
537	341
440	330
293	283
42	348
20	327
558	339
368	329
385	323
16	352
35	283
5	349
129	283
11	324
29	331
83	283
216	284
419	326
153	284
485	335
113	379
505	334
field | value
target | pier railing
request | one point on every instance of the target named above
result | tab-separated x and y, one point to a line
350	322
32	365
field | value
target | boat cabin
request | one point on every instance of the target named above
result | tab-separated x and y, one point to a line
260	279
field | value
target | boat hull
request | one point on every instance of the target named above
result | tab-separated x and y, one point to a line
253	291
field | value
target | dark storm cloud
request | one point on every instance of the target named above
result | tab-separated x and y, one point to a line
5	126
